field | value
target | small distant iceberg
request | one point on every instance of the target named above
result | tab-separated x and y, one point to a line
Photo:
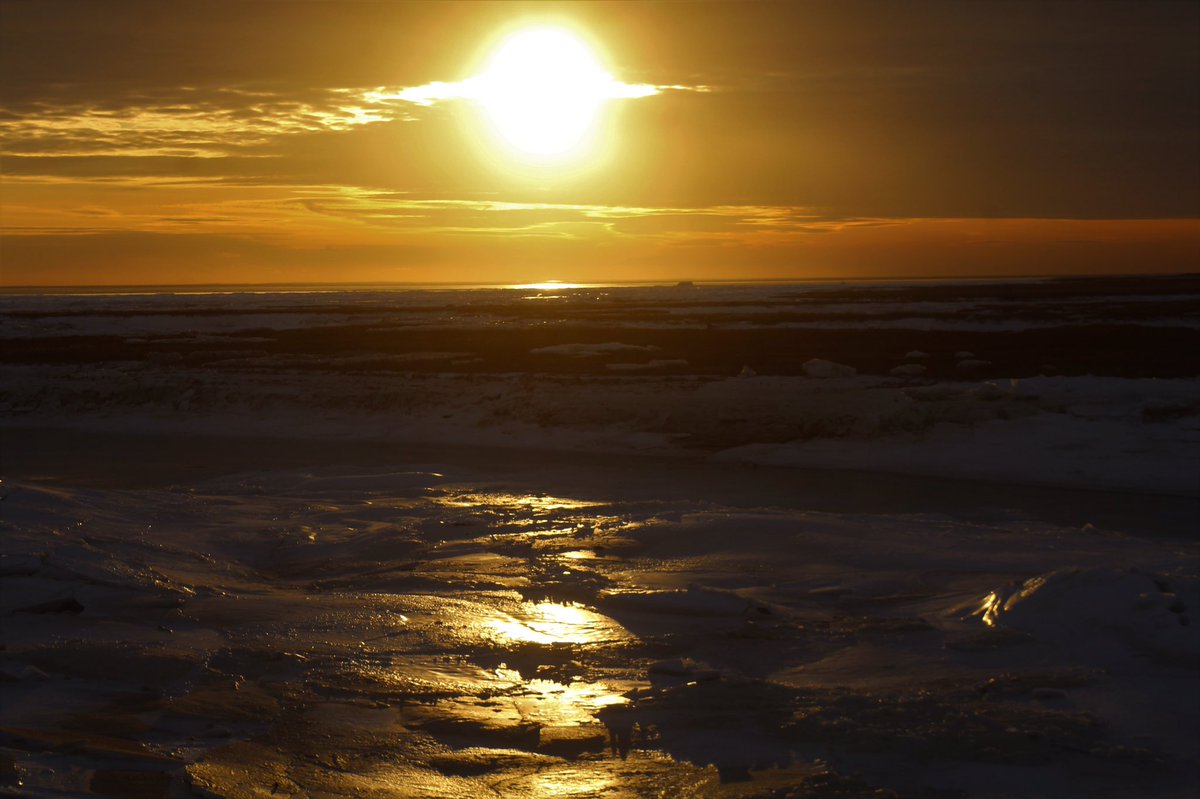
818	367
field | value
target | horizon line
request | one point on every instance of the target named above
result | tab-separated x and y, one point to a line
573	285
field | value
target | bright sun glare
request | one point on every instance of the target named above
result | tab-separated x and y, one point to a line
543	89
542	92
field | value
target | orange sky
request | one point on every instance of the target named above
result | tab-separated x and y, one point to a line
281	142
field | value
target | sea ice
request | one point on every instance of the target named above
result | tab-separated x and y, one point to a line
816	367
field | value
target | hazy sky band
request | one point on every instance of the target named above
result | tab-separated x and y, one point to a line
181	142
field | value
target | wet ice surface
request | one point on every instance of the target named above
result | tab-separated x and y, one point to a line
383	632
622	542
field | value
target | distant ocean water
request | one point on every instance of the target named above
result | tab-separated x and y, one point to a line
332	288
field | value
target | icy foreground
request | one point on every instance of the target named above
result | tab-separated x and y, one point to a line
931	541
421	634
1091	384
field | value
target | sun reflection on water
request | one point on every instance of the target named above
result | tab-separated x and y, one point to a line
500	500
989	609
532	516
551	703
553	623
572	782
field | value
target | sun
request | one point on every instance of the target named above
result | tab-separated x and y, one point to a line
540	95
542	92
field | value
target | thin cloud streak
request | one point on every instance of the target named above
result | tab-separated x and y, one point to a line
224	123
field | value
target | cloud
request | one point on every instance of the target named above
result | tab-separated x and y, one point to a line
998	111
141	257
175	131
403	212
268	128
187	122
478	88
902	248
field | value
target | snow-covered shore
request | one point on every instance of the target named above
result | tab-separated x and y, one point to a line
1110	433
602	369
591	558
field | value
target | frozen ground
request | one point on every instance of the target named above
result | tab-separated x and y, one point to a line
1096	383
1122	433
540	628
522	545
